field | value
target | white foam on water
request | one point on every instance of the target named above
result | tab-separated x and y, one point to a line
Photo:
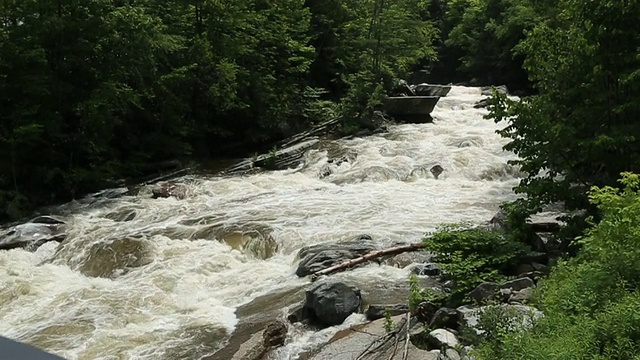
186	294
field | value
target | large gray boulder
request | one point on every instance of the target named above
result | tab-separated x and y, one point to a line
330	303
321	256
33	234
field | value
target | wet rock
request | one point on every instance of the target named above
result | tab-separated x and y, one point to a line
47	219
428	269
330	303
411	109
481	104
109	259
319	257
253	318
375	312
518	284
441	338
445	318
484	292
259	345
500	89
275	334
165	189
33	234
427	171
436	171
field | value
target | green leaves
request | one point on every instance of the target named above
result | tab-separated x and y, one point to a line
590	302
471	256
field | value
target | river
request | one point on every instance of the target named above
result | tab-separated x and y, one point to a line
142	278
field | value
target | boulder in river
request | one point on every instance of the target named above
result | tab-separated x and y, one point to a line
431	90
411	109
330	303
165	189
321	256
33	234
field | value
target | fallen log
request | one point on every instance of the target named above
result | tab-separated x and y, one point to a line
367	257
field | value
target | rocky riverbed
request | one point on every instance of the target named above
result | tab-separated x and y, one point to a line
201	266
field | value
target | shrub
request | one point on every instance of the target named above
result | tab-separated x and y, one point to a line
471	256
591	302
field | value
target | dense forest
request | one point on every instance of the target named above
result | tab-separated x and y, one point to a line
96	92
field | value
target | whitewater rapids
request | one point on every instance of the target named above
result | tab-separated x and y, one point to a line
187	269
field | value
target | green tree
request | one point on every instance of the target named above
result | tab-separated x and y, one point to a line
581	130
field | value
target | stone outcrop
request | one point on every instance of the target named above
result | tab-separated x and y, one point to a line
414	109
34	233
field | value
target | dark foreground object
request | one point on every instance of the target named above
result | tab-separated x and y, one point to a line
13	350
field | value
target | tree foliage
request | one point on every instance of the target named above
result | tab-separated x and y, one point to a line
94	91
581	130
591	301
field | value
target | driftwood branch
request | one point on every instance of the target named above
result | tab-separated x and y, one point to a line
383	343
405	354
367	257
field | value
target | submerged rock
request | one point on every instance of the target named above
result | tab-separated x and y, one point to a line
321	256
33	234
109	259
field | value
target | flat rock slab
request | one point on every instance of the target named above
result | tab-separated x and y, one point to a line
350	344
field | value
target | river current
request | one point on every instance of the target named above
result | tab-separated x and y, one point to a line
143	278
